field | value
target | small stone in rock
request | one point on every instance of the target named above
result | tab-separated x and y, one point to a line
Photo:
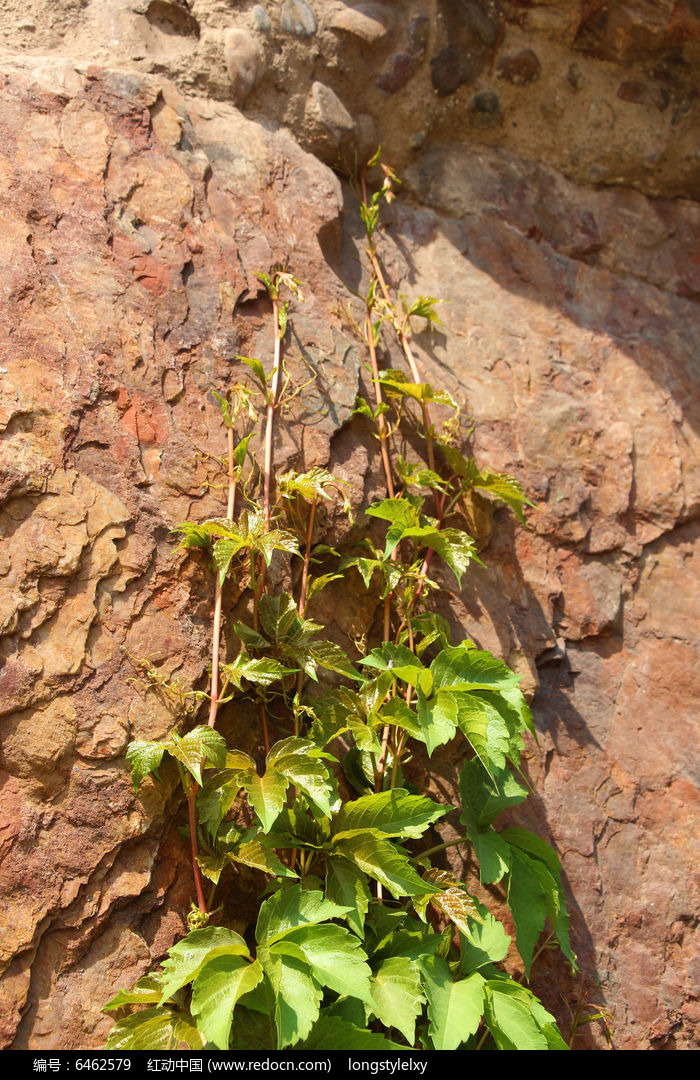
297	18
520	69
397	72
418	34
261	20
242	62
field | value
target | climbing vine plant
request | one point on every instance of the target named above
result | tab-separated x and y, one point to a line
361	942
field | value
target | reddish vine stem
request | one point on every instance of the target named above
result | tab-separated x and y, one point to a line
270	414
216	631
192	812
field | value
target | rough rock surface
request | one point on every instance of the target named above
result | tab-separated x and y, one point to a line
549	200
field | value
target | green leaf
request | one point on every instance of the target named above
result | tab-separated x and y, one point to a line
384	862
147	991
402	663
485	729
346	886
311	776
154	1029
545	863
241	450
255	853
506	488
398	995
335	957
424	308
217	988
509	1019
310	485
293	907
528	902
225	409
262	671
493	855
189	955
144	758
332	1033
454	1008
267	794
216	797
198	746
437	719
297	995
458	668
223	552
257	369
455	548
487	943
276	540
484	796
388	813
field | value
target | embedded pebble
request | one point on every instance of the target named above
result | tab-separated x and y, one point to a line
242	62
261	20
485	109
452	67
370	22
418	34
297	18
332	119
481	24
520	69
397	72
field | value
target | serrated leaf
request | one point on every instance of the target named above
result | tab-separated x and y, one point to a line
216	797
528	902
223	552
332	1033
267	794
458	668
154	1029
402	663
215	991
493	855
487	943
484	796
388	813
144	758
186	958
256	854
297	995
510	1021
424	308
311	776
384	862
453	900
241	450
276	540
485	729
212	865
291	908
398	995
544	861
437	719
147	991
257	369
336	958
310	485
346	886
506	488
225	409
454	1008
202	744
263	671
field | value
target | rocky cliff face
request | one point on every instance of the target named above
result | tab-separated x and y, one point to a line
153	155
